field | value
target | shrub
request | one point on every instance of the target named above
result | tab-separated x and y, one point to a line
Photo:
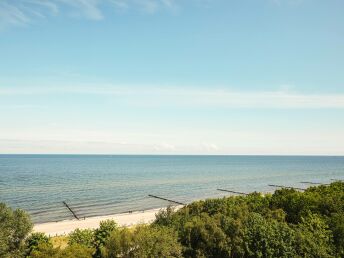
102	233
83	237
72	251
36	239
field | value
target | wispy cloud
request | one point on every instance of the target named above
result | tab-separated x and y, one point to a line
288	2
192	97
23	12
12	15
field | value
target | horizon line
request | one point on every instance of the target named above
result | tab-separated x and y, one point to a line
151	154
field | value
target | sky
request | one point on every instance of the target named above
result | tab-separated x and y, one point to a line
234	77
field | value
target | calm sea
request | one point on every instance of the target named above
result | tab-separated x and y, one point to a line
106	184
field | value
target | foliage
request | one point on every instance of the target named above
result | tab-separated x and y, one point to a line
314	239
268	238
143	241
83	237
336	224
34	240
287	223
102	233
72	251
202	236
15	225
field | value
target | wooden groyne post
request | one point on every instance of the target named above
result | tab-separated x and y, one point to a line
161	198
313	183
70	210
290	187
230	191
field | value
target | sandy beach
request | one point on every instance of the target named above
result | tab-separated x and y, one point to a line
123	219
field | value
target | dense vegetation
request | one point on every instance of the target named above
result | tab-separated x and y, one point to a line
287	223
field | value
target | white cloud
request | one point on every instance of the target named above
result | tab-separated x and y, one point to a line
12	15
230	142
288	2
22	12
87	8
192	97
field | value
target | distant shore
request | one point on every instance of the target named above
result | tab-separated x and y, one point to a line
123	219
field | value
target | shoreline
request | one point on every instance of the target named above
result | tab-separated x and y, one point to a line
64	227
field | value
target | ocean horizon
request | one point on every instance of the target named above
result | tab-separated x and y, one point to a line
96	185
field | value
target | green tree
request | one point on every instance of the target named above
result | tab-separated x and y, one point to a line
15	225
143	242
313	238
268	238
202	236
336	223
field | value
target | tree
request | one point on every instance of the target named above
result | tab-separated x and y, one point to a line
143	242
268	238
313	238
202	236
336	223
15	225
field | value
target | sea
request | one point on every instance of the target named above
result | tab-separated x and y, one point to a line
95	185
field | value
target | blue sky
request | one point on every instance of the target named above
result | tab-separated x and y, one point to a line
172	76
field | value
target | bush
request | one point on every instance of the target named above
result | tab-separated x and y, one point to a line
83	237
102	233
73	251
34	240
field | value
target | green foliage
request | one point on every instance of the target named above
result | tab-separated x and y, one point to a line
287	223
164	216
143	242
202	236
336	223
72	251
102	233
314	239
268	238
83	237
34	240
15	225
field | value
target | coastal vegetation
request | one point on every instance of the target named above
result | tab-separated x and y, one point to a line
287	223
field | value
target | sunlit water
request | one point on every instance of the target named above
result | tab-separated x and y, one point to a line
108	184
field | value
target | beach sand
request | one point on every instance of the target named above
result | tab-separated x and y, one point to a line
123	219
